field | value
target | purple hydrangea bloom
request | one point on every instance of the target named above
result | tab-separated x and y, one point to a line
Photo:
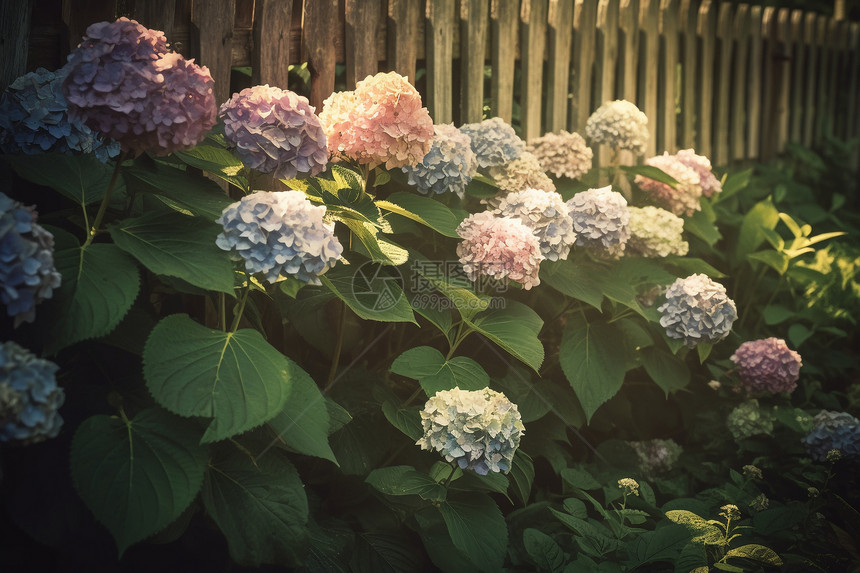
275	131
280	234
29	396
27	273
449	165
767	365
697	310
123	82
494	142
601	220
833	431
34	119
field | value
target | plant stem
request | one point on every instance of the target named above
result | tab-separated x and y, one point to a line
105	200
448	479
238	316
341	321
222	312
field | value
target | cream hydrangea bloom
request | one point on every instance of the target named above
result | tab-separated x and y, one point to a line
521	173
656	233
620	125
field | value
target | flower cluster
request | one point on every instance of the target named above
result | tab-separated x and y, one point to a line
27	273
702	166
682	200
752	472
494	142
29	396
656	456
449	165
767	365
563	154
381	122
275	131
730	511
601	220
502	248
748	419
125	83
545	213
833	431
628	486
656	233
696	310
280	234
34	119
524	172
619	124
479	429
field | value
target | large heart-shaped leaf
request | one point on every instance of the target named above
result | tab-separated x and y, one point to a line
477	528
371	291
423	210
81	178
180	190
515	328
435	373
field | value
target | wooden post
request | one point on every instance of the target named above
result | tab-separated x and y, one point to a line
560	41
835	30
822	98
213	30
607	56
361	18
404	19
649	52
754	117
473	39
439	55
14	39
628	64
707	35
533	24
798	60
157	15
783	69
812	62
584	20
689	24
318	36
725	40
667	136
78	18
270	60
739	84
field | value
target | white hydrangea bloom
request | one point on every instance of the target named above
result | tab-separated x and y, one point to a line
601	220
563	154
619	124
656	233
545	213
696	310
524	172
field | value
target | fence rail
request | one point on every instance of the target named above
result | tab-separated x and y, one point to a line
733	81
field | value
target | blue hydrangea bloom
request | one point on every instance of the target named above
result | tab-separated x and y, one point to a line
280	234
29	396
27	273
494	142
833	431
34	119
449	165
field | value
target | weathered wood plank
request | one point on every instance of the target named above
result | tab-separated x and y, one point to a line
689	68
504	19
707	36
533	25
474	16
822	97
739	84
854	80
667	133
318	35
212	35
725	45
584	21
628	65
782	62
78	15
770	71
607	57
361	20
15	17
835	33
798	61
560	40
270	62
810	103
157	15
649	52
439	54
755	86
403	26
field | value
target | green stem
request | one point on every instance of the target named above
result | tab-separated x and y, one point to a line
458	338
341	321
222	312
105	200
448	479
235	326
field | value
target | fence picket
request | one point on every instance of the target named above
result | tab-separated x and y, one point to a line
584	20
533	22
213	29
473	38
403	35
361	18
560	39
706	29
270	61
725	43
667	137
810	101
607	57
504	17
754	117
798	61
739	84
318	36
439	53
649	52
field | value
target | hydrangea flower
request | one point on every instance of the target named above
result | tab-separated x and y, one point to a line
479	429
656	456
545	213
381	122
833	431
449	165
524	172
629	486
122	81
275	131
620	125
702	166
29	396
748	419
696	310
27	273
34	119
563	154
494	142
683	200
502	248
280	234
601	220
656	233
767	365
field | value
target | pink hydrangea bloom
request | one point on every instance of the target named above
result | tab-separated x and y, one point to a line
563	154
767	365
381	122
682	201
702	166
501	248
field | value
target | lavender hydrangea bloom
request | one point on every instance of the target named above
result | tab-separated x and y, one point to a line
619	124
697	310
601	220
449	165
480	429
29	396
494	142
27	273
702	166
563	154
34	119
545	213
275	131
123	82
280	234
748	420
767	365
833	431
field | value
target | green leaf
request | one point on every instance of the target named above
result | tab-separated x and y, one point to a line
692	265
217	161
579	478
777	314
735	182
235	378
543	550
100	283
756	552
434	373
424	210
777	261
370	292
178	246
303	424
763	215
404	480
522	475
798	334
378	249
706	533
593	361
81	178
515	328
725	567
260	506
699	225
650	172
181	190
667	371
592	539
662	544
533	398
137	476
384	552
478	529
407	420
428	275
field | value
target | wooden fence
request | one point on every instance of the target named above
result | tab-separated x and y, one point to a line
733	81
